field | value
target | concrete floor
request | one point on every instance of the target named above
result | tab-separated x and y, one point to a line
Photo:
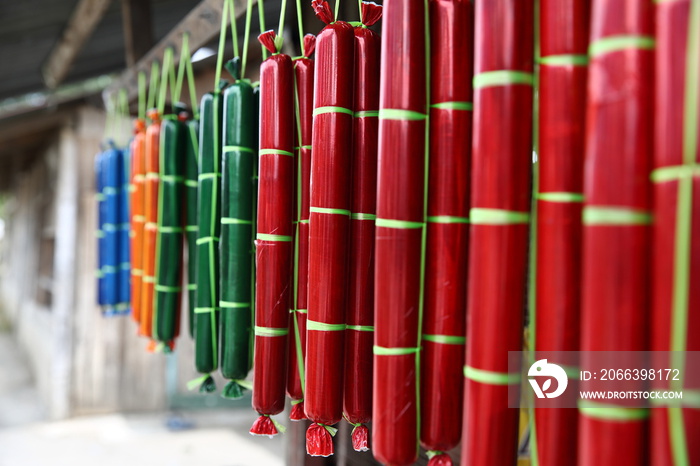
201	437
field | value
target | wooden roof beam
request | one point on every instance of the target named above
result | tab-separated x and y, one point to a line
81	25
138	29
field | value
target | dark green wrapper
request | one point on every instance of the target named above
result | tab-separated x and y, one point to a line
191	186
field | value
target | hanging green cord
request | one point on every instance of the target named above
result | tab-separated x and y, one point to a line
142	95
109	118
184	54
300	26
153	85
283	10
234	29
246	38
164	76
261	17
222	43
124	120
337	9
359	5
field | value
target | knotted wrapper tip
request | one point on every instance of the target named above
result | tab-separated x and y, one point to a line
371	12
322	11
265	425
438	458
309	45
205	383
360	438
297	412
233	390
319	439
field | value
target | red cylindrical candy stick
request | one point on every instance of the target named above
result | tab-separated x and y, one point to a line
676	256
616	216
359	336
498	241
138	219
329	228
451	30
274	235
304	99
400	231
562	112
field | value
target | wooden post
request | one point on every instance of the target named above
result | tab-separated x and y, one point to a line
138	29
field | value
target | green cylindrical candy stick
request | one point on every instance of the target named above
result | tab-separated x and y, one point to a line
236	245
168	290
191	176
209	226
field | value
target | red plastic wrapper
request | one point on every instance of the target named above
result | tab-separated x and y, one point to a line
359	336
329	228
152	161
451	30
616	216
562	115
499	216
138	218
274	233
400	229
304	97
676	209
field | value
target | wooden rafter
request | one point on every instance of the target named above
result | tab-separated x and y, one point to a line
138	29
81	25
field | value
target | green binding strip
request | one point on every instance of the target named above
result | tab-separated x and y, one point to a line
136	272
99	197
622	42
109	269
445	339
192	286
111	227
675	172
110	191
308	147
139	218
453	106
172	178
482	216
400	114
400	224
615	216
324	327
99	234
205	310
275	152
502	78
125	266
683	234
366	113
564	60
383	351
327	210
361	328
269	237
148	279
238	148
447	219
361	216
490	377
166	229
300	311
233	305
322	110
207	239
208	176
235	221
691	399
304	221
152	176
168	289
556	196
609	412
192	228
191	183
270	331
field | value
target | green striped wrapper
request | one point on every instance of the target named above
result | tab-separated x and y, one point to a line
191	184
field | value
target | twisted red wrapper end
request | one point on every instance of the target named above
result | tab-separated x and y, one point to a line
360	438
139	125
323	11
267	39
151	346
319	442
371	12
264	426
297	412
440	459
309	45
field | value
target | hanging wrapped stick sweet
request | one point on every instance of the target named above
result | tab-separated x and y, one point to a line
359	337
191	226
237	246
304	102
499	216
451	30
676	257
329	228
616	217
101	219
138	177
273	245
400	231
168	287
122	162
110	160
555	318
